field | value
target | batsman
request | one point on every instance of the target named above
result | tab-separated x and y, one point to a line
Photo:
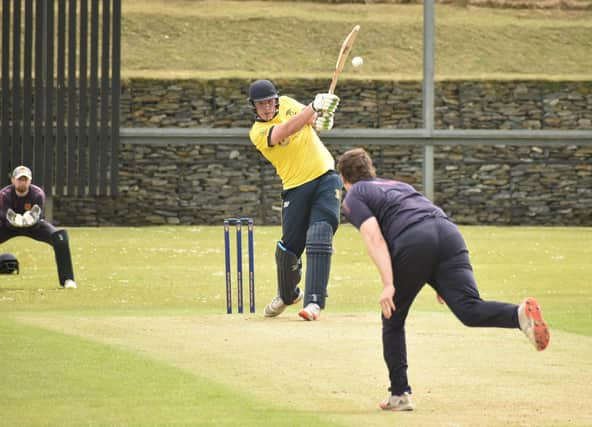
21	214
285	132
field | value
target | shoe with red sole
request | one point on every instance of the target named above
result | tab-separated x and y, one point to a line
312	311
530	317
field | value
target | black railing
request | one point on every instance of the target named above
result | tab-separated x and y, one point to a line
59	99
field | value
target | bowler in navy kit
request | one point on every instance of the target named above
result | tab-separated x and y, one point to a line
22	207
413	242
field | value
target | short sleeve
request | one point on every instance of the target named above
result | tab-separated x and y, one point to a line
355	208
260	133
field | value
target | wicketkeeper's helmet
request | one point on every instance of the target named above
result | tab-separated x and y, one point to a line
8	264
262	90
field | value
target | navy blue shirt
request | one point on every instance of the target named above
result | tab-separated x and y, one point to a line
10	200
396	206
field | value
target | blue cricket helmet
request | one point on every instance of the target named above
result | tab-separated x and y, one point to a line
262	90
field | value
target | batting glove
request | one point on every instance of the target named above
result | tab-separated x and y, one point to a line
325	102
14	219
324	122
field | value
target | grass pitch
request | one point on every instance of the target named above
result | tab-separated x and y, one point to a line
145	341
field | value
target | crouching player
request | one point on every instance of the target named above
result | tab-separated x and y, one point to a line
21	214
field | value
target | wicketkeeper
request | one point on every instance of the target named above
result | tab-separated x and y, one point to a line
21	214
285	132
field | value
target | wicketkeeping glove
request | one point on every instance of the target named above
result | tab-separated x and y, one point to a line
32	216
324	122
325	102
14	219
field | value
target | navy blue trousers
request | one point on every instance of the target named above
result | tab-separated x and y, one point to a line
41	232
433	251
316	201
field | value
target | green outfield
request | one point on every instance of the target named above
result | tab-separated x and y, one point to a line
144	339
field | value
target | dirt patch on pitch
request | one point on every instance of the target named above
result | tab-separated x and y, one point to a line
334	367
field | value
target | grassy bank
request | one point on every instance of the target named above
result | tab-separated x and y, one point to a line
214	38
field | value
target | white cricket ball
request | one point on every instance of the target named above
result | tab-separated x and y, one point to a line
357	61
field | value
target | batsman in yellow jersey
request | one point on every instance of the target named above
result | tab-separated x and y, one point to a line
285	132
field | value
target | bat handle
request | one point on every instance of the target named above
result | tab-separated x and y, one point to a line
333	84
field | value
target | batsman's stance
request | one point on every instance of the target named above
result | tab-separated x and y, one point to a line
283	132
413	242
21	214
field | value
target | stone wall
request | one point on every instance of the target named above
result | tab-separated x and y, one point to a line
202	184
192	184
515	185
367	104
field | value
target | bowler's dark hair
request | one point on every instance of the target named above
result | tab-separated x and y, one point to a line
355	165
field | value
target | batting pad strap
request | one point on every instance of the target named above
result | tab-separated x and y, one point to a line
319	238
289	273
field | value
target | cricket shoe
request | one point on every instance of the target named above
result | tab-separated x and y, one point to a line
532	323
277	306
397	403
70	284
312	311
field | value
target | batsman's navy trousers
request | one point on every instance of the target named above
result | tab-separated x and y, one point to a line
316	201
433	251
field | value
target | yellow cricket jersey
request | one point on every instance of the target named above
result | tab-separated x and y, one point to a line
298	159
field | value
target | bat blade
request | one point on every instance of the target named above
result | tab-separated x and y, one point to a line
346	48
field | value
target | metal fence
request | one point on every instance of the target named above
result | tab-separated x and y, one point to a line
359	137
60	93
354	137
